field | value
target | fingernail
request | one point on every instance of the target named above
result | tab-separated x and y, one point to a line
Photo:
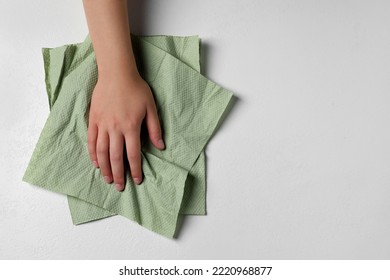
137	180
107	179
118	187
95	164
161	143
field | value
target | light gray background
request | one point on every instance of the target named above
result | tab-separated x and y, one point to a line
299	170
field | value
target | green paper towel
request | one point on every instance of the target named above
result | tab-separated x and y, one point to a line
189	106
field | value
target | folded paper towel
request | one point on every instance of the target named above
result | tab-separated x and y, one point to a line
189	106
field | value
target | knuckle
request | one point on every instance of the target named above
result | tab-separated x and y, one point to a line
91	120
91	149
90	142
133	154
101	150
115	125
132	125
116	157
91	139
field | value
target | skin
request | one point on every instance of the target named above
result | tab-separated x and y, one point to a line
121	100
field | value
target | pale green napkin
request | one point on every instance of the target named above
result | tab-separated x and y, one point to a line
189	105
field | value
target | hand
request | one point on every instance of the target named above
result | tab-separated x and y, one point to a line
120	102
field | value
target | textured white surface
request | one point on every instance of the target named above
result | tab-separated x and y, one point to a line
300	169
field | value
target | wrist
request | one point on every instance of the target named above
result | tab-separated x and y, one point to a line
119	77
117	70
116	66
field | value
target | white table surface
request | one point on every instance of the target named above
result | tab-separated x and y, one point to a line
299	170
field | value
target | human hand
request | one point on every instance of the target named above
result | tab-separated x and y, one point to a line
119	104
